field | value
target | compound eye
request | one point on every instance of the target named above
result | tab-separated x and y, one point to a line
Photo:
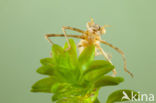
97	27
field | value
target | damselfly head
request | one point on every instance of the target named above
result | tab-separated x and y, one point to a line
94	28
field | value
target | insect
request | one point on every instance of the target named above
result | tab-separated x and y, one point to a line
91	36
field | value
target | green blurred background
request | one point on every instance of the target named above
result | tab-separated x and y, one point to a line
23	24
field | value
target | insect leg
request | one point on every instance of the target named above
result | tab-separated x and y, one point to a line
65	34
61	35
74	29
107	58
122	54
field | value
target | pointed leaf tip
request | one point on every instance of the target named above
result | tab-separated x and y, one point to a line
43	85
108	81
96	69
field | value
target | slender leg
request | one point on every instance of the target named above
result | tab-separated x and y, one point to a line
122	54
65	34
69	46
97	52
107	58
74	29
61	35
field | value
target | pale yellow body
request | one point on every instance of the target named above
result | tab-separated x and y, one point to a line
89	38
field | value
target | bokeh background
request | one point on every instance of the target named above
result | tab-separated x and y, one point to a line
23	24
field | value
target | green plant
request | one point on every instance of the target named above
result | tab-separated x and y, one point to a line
76	79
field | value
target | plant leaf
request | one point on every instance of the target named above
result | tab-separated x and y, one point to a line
96	100
65	74
56	97
86	56
43	85
108	81
72	52
47	61
97	69
118	95
60	56
46	70
73	59
61	90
